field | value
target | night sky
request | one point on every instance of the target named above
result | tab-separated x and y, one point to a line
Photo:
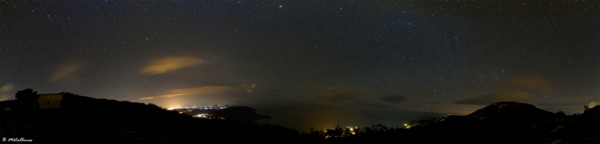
309	63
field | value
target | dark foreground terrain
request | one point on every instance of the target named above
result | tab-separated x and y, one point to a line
502	122
83	119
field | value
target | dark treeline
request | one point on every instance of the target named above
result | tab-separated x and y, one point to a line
85	119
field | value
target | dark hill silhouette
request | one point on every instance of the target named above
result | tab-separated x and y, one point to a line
498	111
510	110
83	119
501	122
590	113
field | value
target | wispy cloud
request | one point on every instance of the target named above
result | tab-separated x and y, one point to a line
589	101
169	64
394	98
570	103
203	90
145	98
593	104
5	91
526	90
533	84
499	97
249	87
67	73
200	91
346	97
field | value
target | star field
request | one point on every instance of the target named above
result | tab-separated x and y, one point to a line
409	59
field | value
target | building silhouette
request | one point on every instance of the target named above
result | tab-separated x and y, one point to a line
50	100
44	101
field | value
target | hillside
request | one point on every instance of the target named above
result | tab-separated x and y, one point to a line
502	122
85	119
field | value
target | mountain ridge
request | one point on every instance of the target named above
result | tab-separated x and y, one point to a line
86	119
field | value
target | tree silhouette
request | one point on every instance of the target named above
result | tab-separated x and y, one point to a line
321	133
357	130
347	132
379	128
27	95
338	131
561	113
330	132
368	130
416	123
27	99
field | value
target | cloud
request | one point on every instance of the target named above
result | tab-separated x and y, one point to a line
453	113
394	98
203	90
67	73
526	91
433	102
580	103
200	91
271	92
145	98
593	104
535	84
7	88
169	64
499	97
575	103
5	91
346	97
249	87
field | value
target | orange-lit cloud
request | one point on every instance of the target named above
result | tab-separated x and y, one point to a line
5	91
249	87
593	104
67	73
169	64
145	98
500	97
200	91
535	84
